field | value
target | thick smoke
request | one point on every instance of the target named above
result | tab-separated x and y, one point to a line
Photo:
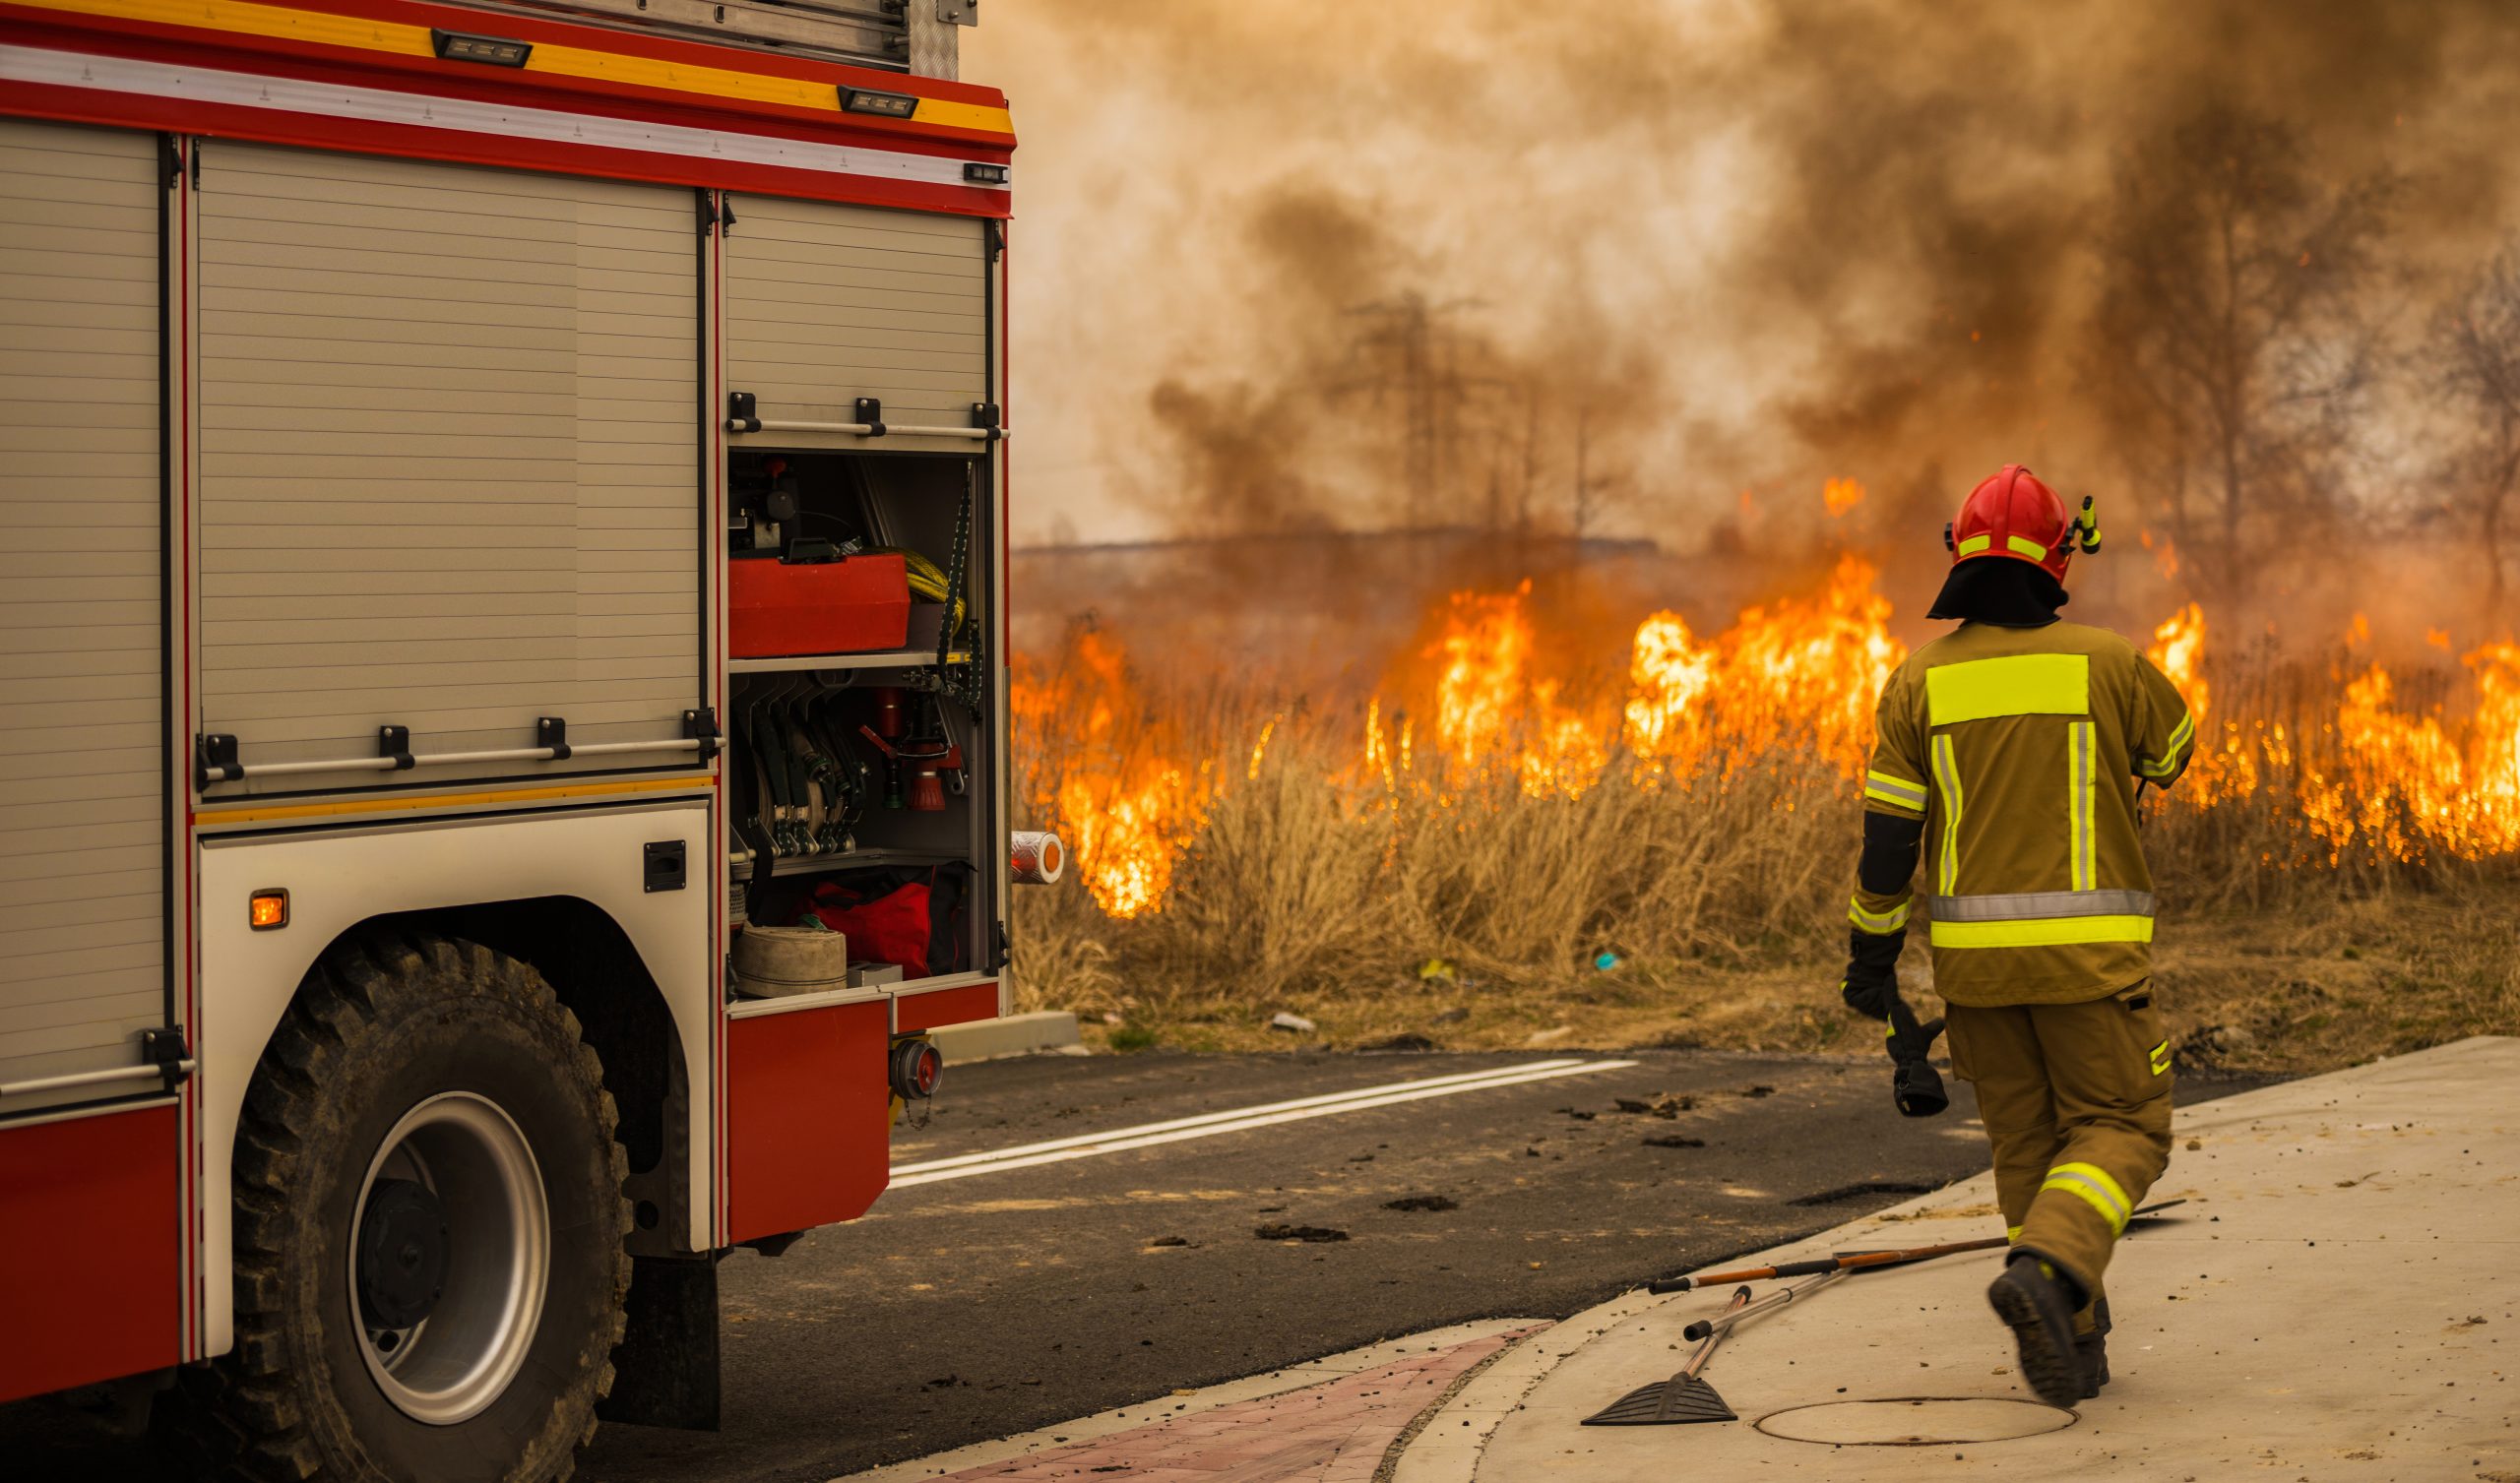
1294	265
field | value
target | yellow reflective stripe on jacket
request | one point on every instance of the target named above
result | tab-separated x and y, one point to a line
1976	690
1878	923
2159	1058
2012	1233
2042	932
1898	792
2097	1189
2179	740
2082	749
1946	771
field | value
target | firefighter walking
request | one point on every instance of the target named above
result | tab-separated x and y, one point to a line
2009	758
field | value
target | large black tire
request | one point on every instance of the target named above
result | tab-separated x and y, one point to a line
382	1024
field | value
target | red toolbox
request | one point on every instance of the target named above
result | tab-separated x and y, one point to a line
848	604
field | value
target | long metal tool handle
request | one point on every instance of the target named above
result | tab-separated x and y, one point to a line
1859	1261
1820	1264
1704	1328
1706	1346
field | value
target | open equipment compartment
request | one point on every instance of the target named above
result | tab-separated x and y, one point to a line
864	771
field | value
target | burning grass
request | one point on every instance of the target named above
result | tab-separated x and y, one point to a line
1458	856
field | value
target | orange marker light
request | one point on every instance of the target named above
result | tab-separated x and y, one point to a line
269	909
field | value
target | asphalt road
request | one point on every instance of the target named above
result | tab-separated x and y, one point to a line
981	1306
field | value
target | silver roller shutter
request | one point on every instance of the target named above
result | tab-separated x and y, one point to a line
82	733
450	432
825	304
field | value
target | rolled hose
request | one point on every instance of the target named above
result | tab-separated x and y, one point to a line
927	578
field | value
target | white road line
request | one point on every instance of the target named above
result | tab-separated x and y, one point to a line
1235	1114
1120	1140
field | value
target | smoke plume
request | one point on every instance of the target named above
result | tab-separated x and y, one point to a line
1659	269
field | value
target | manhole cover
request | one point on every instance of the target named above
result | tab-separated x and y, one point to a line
1915	1421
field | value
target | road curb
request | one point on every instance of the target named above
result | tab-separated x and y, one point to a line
1047	1032
1154	1411
1446	1448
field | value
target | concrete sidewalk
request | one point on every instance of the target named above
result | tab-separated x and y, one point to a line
2338	1299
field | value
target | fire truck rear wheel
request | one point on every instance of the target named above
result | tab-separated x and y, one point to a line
429	1230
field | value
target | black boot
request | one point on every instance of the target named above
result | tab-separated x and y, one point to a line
2039	1307
2093	1350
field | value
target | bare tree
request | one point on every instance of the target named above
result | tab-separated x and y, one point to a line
1593	494
2476	355
2231	345
1531	463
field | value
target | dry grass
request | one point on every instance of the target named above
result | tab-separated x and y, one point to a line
1465	911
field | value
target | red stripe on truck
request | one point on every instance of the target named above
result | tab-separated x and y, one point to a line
91	1230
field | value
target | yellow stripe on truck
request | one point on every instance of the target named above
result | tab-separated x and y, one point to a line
280	22
244	19
210	815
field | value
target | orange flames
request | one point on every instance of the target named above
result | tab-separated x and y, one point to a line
1127	803
2165	555
1795	675
2368	778
2346	769
2408	784
1799	675
1491	712
2225	763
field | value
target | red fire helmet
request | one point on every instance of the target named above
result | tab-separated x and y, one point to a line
2014	513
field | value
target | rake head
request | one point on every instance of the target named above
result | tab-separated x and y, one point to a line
1677	1401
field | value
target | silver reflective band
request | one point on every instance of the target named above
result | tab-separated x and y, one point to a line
2028	904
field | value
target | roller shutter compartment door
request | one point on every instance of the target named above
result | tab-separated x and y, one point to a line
450	431
83	755
825	304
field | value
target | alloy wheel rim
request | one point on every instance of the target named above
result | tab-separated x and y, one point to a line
445	1349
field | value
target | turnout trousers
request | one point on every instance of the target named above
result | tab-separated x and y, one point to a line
2077	1099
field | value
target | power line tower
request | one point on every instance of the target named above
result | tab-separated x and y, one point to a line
1408	350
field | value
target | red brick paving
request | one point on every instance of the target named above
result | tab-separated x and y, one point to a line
1335	1432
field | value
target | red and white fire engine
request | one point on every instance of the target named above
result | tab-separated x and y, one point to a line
499	503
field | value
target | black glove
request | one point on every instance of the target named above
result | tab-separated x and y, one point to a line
1871	982
1869	991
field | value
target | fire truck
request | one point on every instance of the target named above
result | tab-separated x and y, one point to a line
498	502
